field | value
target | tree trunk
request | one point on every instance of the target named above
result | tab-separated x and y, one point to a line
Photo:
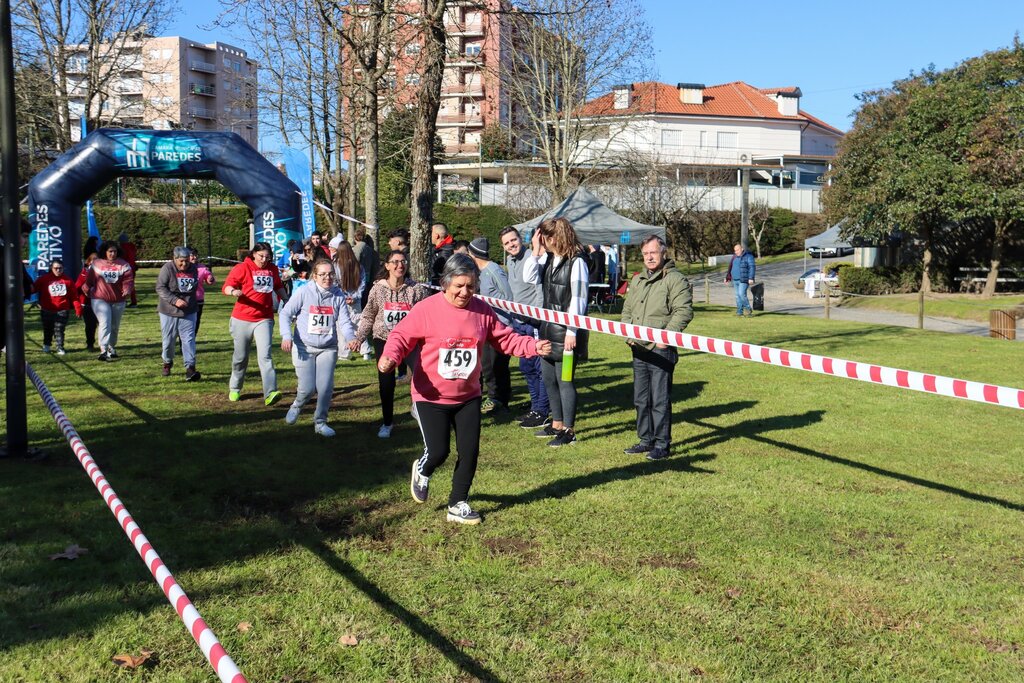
926	262
370	149
428	103
998	240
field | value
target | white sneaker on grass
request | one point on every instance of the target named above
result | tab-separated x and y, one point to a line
461	513
384	432
292	416
323	429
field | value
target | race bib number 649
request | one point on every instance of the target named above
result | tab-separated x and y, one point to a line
457	358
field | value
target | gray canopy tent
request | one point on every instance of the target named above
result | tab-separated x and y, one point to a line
594	222
830	239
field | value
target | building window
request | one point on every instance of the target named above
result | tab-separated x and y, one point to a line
672	138
728	140
703	138
473	50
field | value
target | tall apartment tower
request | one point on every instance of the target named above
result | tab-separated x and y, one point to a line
170	82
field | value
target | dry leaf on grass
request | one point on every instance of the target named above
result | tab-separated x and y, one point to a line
243	626
144	658
72	552
465	643
696	671
733	593
349	640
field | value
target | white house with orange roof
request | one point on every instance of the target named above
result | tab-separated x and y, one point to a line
728	125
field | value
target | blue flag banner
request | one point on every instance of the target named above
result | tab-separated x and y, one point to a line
94	231
297	167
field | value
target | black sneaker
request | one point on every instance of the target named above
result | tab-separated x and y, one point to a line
419	485
565	437
166	372
638	448
192	375
461	513
533	420
520	418
111	353
658	454
103	356
546	433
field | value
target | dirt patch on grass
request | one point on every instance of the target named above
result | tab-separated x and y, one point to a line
518	548
360	518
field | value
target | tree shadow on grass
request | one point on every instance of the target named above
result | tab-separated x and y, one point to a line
754	430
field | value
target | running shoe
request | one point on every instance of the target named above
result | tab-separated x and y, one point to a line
489	405
658	454
111	353
533	420
384	432
546	433
323	429
638	448
60	351
234	396
565	437
292	416
166	372
272	398
461	513
192	375
419	486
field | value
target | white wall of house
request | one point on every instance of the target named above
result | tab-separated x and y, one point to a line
816	141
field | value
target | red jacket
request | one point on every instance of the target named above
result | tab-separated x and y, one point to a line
56	292
130	253
258	286
111	281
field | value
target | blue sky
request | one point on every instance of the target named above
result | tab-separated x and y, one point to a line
831	50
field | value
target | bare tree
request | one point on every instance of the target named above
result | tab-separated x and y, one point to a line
760	220
561	53
86	46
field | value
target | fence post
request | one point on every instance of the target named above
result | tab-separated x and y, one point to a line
920	310
707	290
827	291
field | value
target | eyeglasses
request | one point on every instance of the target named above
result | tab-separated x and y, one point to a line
327	275
399	263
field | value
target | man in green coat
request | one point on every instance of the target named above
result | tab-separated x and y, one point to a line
659	296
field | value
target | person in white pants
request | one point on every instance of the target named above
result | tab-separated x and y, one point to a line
320	316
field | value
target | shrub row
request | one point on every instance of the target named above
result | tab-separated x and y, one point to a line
877	281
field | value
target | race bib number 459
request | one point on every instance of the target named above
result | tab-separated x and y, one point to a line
394	311
457	358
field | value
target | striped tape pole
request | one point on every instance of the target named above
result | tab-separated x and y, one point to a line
837	367
214	652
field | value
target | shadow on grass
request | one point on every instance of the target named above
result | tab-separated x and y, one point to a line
412	621
146	417
562	488
753	430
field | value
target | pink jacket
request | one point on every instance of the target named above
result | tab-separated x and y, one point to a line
451	342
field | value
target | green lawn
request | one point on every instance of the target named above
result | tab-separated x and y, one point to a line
958	306
807	528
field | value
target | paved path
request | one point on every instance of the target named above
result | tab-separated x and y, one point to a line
781	296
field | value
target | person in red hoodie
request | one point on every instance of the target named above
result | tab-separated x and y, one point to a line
450	332
83	308
253	282
56	297
108	283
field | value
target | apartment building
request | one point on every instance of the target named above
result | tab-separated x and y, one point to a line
168	82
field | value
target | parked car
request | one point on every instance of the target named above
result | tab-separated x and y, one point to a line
829	252
830	277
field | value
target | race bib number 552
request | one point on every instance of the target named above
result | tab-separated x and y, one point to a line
263	282
457	358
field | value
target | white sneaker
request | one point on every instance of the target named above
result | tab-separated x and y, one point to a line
60	351
384	432
323	430
292	416
367	356
46	348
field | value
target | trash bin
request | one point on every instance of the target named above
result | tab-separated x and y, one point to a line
757	296
1002	325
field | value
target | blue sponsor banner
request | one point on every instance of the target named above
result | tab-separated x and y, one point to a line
94	230
297	166
142	153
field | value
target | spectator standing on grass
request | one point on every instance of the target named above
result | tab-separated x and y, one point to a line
558	263
659	296
320	315
57	296
450	331
597	264
368	261
206	277
390	300
398	240
253	282
741	273
523	292
84	307
177	286
130	253
349	279
497	381
444	247
611	253
108	283
316	240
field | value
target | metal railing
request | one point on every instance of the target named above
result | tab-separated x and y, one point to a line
206	67
201	89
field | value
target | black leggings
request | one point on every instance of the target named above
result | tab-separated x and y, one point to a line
54	323
436	422
89	317
386	384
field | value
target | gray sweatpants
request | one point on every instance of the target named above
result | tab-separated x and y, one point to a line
108	317
243	333
170	329
315	370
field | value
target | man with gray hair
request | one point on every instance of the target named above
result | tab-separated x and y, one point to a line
659	296
176	287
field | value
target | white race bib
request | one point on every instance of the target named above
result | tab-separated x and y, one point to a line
456	359
186	283
57	289
394	312
320	320
111	276
263	282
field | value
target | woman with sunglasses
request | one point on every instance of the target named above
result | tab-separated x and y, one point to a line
320	316
56	292
391	298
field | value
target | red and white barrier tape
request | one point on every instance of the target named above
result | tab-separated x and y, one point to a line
837	367
226	669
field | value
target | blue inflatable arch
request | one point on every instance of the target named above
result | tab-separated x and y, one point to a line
56	195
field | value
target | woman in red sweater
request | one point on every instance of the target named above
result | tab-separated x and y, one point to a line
108	284
56	297
450	331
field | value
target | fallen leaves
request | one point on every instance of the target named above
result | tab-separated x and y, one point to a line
144	658
348	640
462	642
733	593
244	627
72	552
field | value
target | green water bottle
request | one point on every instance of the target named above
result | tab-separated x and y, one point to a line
567	357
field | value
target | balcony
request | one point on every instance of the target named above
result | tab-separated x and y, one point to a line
463	90
468	120
463	148
128	86
131	111
471	29
78	65
127	63
202	89
202	113
462	59
204	67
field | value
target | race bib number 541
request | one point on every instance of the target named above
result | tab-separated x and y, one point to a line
457	358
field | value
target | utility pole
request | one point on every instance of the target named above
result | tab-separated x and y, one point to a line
744	207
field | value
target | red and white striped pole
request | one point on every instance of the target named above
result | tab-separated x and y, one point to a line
214	652
837	367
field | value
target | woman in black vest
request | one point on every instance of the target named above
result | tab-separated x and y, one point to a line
558	263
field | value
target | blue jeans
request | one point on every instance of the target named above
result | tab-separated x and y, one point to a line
741	297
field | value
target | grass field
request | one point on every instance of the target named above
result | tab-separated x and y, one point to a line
957	306
807	528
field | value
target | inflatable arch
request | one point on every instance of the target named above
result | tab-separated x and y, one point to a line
56	194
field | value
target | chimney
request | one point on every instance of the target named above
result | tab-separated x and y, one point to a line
691	93
621	96
788	101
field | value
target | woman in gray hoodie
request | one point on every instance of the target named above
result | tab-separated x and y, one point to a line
176	287
320	315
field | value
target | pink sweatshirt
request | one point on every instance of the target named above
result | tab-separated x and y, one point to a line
451	342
